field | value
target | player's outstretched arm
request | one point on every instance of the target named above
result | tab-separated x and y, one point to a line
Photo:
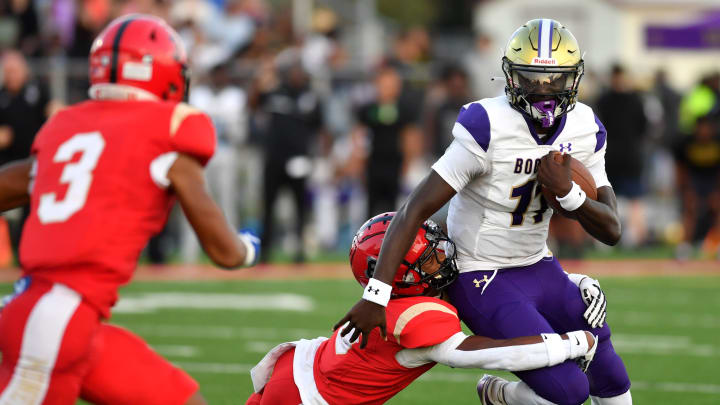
15	184
428	197
599	218
517	354
224	247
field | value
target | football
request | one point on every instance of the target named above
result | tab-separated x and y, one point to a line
581	176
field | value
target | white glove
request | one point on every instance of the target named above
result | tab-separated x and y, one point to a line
594	298
584	361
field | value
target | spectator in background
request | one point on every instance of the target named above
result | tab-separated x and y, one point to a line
453	93
670	101
621	109
481	64
293	123
700	101
25	104
26	29
322	51
698	175
386	120
226	104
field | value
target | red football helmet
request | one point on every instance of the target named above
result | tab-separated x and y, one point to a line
139	56
412	277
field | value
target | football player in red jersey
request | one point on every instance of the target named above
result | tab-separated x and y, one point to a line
424	330
101	180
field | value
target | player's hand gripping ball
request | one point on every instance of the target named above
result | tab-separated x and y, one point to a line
556	174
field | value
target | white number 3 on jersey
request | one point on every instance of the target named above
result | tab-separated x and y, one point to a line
78	176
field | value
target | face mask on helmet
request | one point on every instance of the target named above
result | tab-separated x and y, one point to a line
545	93
428	267
435	268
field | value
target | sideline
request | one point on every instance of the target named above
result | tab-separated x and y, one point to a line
595	268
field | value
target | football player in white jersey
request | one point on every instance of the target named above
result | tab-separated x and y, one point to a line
510	284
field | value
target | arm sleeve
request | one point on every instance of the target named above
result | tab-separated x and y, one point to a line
192	133
458	166
511	358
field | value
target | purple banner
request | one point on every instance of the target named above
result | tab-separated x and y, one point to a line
702	34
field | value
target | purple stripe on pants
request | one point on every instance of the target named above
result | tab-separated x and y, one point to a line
538	299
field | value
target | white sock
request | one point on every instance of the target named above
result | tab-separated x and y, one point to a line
518	393
622	399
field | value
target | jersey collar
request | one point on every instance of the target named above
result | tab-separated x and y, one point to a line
551	138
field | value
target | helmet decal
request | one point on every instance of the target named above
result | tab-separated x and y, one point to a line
115	47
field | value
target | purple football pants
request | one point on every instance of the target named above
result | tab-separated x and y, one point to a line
536	299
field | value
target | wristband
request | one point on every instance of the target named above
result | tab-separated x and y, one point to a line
249	250
574	199
378	292
578	345
555	348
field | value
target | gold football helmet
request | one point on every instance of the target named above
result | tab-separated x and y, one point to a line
543	67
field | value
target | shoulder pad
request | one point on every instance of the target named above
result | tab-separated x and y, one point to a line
472	128
425	323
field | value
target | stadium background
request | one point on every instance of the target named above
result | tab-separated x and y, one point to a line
651	74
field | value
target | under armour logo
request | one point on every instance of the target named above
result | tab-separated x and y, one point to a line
376	291
478	282
568	147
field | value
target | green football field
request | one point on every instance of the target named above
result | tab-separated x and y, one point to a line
667	330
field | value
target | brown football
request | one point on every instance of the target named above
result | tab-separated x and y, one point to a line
581	176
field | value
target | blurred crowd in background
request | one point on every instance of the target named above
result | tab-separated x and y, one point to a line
318	131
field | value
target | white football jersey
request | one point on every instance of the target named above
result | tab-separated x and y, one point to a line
498	219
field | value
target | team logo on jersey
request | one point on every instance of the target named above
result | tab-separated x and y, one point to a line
564	147
478	282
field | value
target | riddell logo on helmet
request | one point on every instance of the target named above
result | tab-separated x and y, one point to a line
544	61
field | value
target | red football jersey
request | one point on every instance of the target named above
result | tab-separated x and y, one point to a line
99	190
346	374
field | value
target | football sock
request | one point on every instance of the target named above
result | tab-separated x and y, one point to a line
622	399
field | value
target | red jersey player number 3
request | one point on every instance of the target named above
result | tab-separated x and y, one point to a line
78	176
102	179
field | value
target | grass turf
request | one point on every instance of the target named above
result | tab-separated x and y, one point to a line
666	330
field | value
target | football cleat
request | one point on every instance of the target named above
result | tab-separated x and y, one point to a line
490	390
428	267
543	67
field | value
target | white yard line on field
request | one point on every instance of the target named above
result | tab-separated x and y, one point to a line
448	376
260	340
177	350
151	302
675	319
211	332
663	345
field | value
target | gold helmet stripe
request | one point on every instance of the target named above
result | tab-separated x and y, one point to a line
545	38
